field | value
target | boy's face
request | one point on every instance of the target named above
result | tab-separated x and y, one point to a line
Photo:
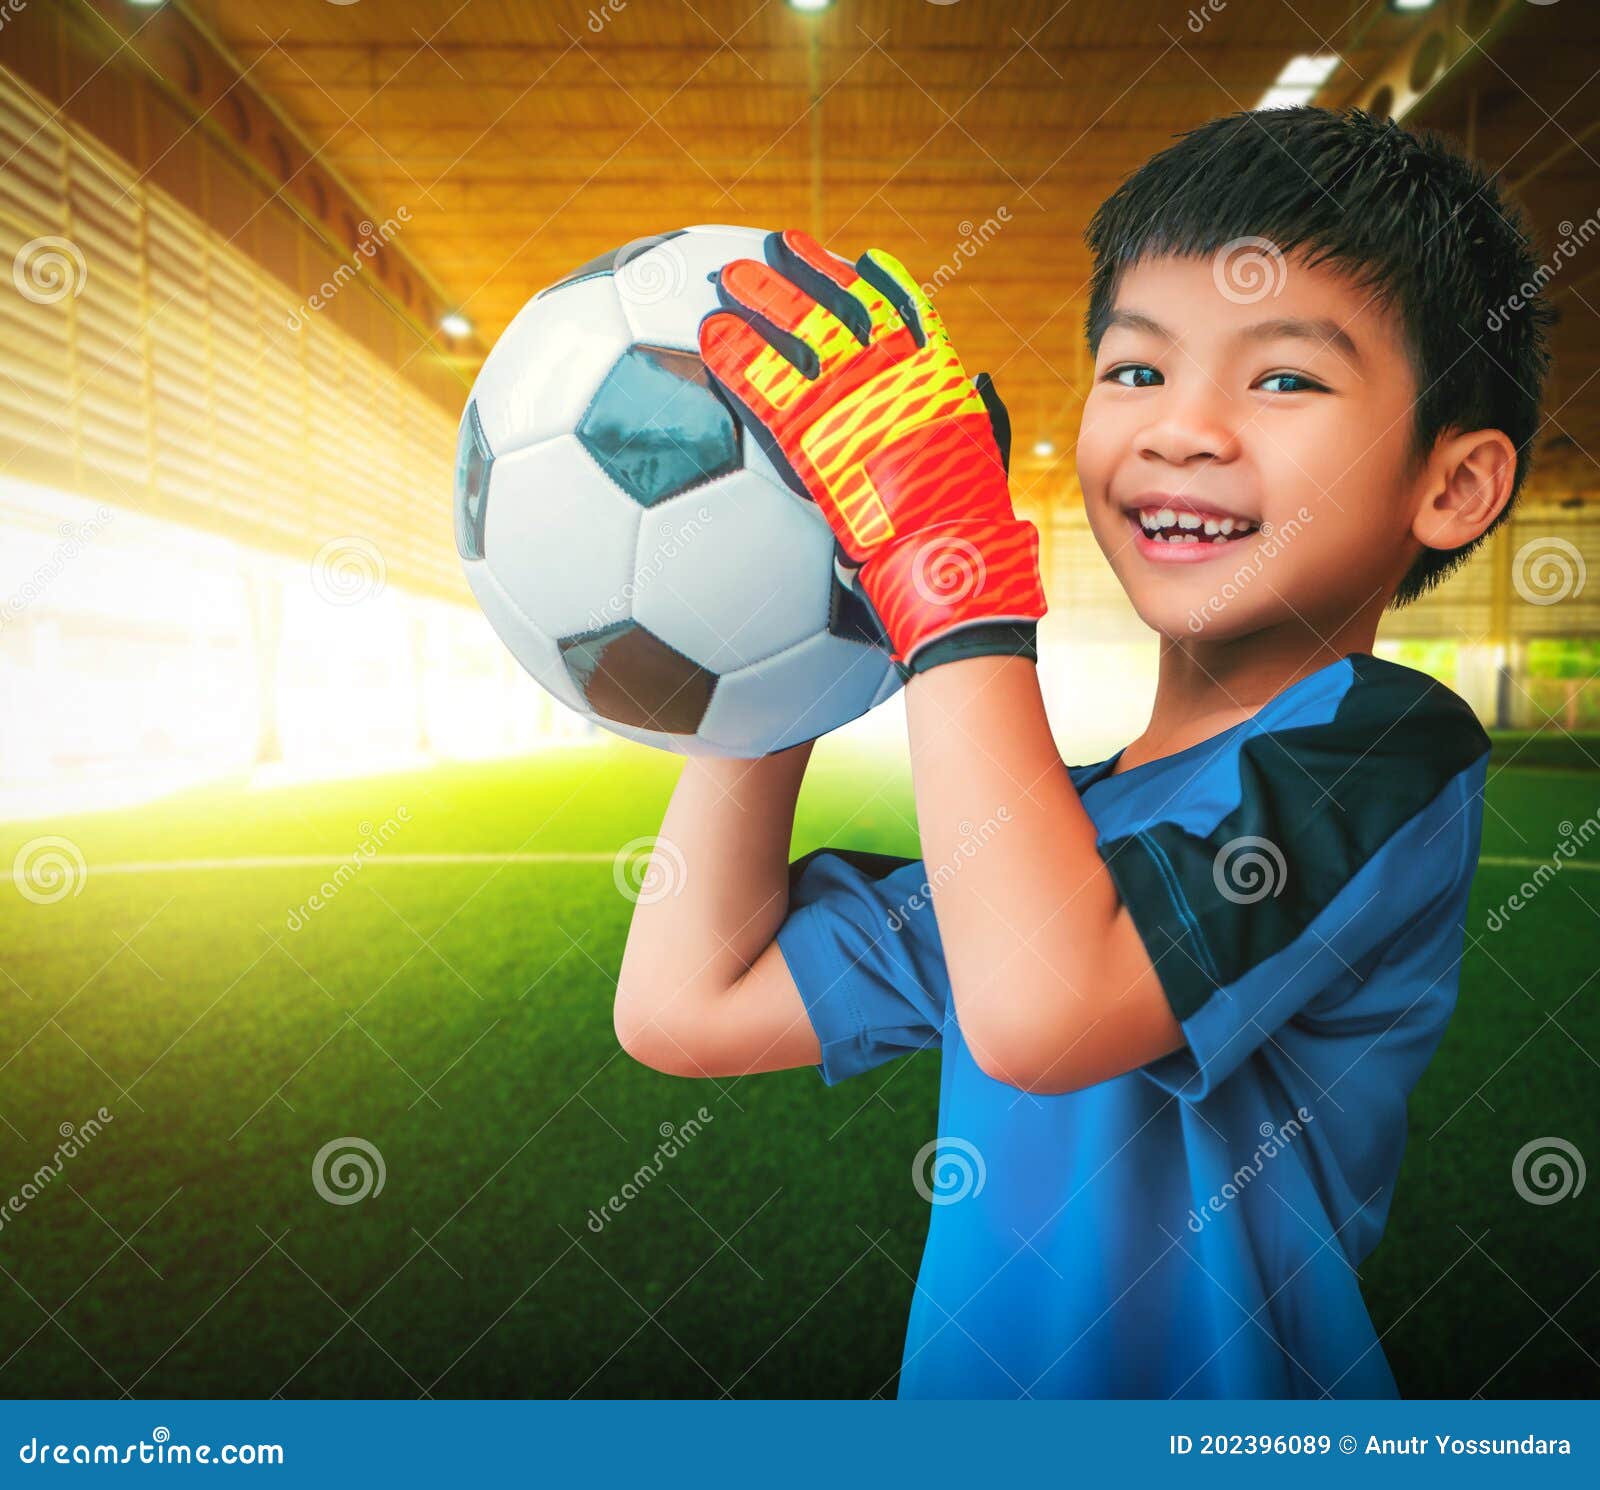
1266	396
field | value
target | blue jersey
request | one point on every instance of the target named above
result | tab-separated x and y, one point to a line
1191	1228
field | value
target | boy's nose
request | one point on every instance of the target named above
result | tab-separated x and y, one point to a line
1192	428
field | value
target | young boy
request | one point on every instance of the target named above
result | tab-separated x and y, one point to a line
1182	994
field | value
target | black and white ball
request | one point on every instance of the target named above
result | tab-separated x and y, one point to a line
631	545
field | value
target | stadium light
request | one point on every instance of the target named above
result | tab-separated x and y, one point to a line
453	323
1298	82
1044	448
810	4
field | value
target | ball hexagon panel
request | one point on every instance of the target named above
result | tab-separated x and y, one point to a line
756	459
537	653
474	464
794	696
655	427
665	289
560	537
749	572
851	617
611	260
539	377
629	676
890	686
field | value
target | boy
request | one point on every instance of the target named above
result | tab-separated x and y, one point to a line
1183	993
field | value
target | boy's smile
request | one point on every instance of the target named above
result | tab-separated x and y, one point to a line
1264	430
1173	529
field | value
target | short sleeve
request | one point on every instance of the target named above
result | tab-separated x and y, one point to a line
1287	885
862	946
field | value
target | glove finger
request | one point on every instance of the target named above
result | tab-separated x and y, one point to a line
757	380
999	417
808	334
740	358
893	280
833	284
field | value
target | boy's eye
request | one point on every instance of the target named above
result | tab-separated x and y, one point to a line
1117	374
1307	385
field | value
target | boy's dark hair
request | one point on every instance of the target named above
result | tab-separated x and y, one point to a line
1405	213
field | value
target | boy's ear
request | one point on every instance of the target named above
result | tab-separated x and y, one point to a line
1467	486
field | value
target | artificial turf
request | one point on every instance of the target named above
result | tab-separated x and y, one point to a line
457	1017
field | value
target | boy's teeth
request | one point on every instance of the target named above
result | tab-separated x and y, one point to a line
1170	526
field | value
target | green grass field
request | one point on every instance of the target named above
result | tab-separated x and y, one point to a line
457	1017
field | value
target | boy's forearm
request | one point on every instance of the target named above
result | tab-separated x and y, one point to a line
719	890
1028	913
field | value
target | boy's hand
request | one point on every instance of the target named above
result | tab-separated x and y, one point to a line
847	377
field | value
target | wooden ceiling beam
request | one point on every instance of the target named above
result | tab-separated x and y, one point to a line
303	47
1247	81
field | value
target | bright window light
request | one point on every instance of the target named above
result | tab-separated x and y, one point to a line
1299	81
1301	71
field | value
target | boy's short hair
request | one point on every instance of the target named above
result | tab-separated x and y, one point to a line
1405	213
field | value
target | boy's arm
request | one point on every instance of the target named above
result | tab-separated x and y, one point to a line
1053	987
703	989
847	376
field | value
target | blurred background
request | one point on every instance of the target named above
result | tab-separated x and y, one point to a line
307	1078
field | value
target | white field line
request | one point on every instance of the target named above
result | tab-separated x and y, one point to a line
332	861
423	861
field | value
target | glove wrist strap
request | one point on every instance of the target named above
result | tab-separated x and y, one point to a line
951	577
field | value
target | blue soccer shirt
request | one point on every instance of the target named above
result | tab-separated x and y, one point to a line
1189	1229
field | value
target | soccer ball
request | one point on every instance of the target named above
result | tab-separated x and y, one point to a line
630	543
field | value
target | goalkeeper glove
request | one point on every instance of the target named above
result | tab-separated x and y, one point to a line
846	376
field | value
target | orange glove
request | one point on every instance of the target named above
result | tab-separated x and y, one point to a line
847	377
